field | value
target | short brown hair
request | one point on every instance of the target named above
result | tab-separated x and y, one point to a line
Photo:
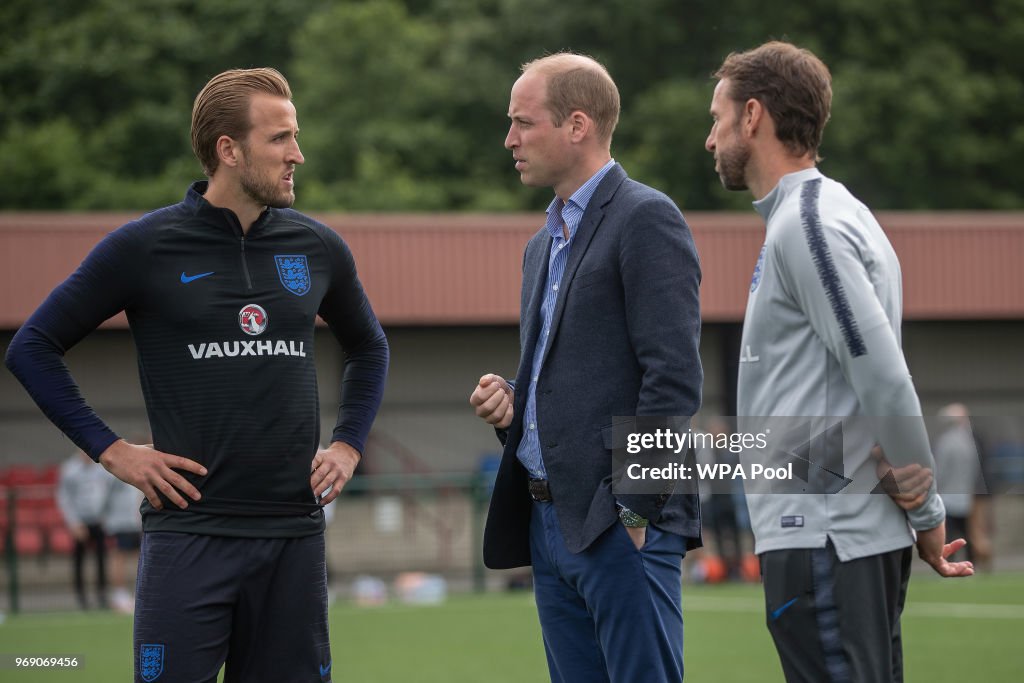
222	108
791	83
579	83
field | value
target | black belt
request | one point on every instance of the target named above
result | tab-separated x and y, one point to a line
540	491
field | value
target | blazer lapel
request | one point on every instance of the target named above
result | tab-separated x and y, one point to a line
589	224
535	276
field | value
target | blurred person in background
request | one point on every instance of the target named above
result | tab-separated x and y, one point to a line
720	505
981	524
957	472
123	522
821	338
82	490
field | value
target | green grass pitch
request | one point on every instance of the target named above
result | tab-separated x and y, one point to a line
955	631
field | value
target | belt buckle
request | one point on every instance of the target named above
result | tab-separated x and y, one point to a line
540	491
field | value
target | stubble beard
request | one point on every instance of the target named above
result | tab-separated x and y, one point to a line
263	192
732	167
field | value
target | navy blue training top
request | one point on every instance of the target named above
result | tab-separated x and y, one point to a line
223	323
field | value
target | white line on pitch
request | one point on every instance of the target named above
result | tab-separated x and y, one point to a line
913	609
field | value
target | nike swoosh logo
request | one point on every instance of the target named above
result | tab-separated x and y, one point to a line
778	612
324	670
185	279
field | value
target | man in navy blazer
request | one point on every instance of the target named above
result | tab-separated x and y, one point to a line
609	329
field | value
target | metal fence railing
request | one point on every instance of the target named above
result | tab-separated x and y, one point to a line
388	524
381	526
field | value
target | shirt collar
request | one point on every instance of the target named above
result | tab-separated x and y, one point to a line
577	203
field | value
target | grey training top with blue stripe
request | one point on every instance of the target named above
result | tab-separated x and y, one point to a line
821	337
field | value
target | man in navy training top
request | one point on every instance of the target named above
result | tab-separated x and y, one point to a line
222	292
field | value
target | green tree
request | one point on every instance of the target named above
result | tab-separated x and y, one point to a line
403	103
371	96
929	104
118	77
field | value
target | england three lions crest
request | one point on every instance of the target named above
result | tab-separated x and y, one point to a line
151	662
294	273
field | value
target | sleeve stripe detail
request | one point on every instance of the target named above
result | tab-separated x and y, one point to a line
822	257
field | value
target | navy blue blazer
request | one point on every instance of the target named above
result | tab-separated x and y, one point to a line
624	341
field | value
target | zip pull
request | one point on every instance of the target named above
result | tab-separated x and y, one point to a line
245	265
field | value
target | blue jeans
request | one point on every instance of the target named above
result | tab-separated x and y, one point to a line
612	612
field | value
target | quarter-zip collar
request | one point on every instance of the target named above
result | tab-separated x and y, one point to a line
766	205
219	216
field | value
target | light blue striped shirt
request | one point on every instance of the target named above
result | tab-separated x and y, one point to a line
571	213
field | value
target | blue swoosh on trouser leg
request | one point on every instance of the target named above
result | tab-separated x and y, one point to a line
778	612
324	670
185	279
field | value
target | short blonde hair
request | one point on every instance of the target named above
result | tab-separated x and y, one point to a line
222	108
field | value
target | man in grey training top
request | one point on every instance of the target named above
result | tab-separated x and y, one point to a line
821	339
